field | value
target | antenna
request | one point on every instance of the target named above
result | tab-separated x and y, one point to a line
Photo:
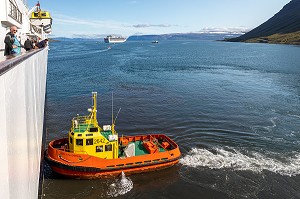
93	110
117	115
112	107
113	121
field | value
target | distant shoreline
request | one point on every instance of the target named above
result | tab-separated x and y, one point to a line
53	40
288	39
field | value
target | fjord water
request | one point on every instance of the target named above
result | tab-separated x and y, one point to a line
233	108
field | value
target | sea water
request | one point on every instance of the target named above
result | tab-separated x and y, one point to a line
233	109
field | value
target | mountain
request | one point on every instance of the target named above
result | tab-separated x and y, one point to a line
283	27
182	36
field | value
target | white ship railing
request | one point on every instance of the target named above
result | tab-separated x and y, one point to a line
10	61
22	100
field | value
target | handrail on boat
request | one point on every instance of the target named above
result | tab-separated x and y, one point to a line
76	121
155	140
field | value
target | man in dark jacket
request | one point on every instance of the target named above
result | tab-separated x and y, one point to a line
9	41
42	43
28	45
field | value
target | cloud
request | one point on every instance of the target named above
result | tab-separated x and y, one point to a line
92	36
139	33
69	25
232	30
67	20
132	2
152	25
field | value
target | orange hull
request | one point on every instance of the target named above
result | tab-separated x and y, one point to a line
85	166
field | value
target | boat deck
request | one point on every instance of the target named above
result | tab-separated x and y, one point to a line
106	134
83	127
87	127
140	149
155	146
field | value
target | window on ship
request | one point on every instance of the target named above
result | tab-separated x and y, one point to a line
108	147
89	141
99	148
79	142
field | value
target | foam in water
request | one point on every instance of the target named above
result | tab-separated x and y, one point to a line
120	186
236	160
298	116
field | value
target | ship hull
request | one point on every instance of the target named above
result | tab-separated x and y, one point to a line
89	167
41	22
114	40
23	85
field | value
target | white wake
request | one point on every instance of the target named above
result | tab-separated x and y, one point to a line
234	159
120	187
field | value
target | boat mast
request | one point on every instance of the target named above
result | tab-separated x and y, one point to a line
94	110
112	108
112	113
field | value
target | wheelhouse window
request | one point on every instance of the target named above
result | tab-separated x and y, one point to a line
99	148
89	141
79	142
71	140
93	129
108	147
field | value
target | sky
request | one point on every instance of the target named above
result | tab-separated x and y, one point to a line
73	18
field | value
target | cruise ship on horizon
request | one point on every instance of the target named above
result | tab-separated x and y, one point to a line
114	39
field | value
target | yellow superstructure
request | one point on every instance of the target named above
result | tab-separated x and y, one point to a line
40	15
87	137
41	18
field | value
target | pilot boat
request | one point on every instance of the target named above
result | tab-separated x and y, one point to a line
91	151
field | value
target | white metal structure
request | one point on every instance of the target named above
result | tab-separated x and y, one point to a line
22	99
21	122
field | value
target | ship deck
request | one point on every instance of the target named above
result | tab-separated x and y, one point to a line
140	149
143	145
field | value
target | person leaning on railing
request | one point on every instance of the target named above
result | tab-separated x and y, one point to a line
28	45
42	44
12	44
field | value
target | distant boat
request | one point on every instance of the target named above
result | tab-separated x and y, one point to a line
114	39
155	42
